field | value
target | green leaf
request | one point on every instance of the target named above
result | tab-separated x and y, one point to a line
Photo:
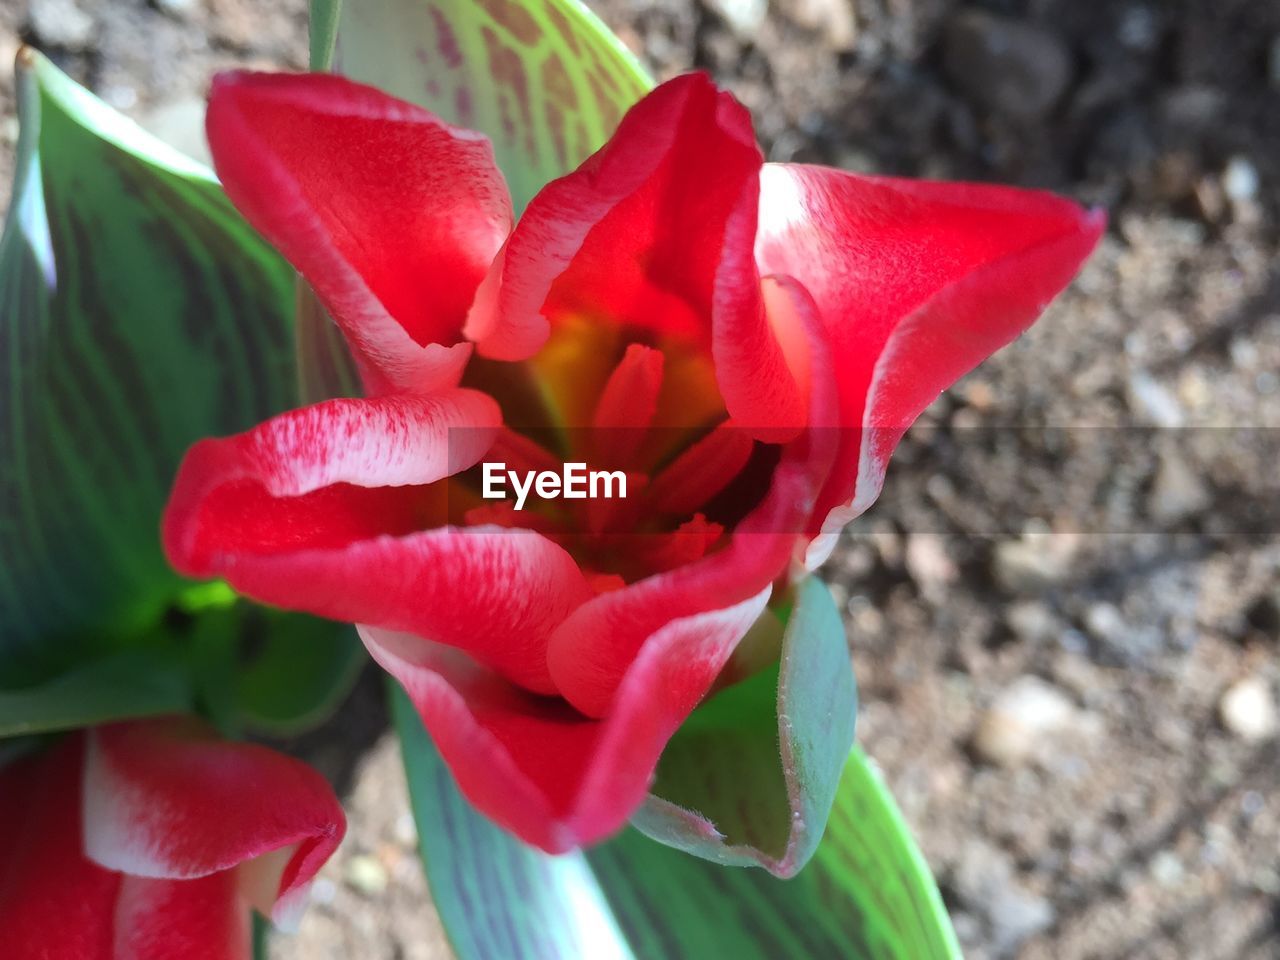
138	312
785	731
261	937
545	80
326	368
866	893
301	672
324	32
126	685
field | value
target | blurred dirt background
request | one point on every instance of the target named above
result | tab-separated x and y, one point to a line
1065	611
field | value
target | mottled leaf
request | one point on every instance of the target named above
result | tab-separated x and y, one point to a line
544	79
785	731
138	312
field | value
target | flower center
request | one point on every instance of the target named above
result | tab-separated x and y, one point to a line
642	411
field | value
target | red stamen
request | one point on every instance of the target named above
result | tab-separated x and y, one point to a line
626	407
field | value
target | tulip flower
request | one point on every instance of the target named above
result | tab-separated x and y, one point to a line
151	840
744	342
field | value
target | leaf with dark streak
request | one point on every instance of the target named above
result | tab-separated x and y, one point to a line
545	80
140	312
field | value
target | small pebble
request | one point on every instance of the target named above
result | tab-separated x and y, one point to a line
1240	180
1177	492
1161	407
1167	869
929	565
1013	729
744	16
988	889
833	18
366	875
1105	622
1248	710
1032	622
406	830
1033	563
178	8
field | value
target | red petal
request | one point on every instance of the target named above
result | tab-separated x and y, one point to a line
916	283
166	799
53	902
554	778
638	233
301	479
392	215
200	919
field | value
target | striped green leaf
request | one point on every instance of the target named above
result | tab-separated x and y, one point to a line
866	895
545	80
138	312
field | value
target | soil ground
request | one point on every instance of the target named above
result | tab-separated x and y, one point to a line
1065	610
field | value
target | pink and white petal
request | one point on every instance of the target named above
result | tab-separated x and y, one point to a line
53	902
391	214
555	778
167	799
757	363
205	918
253	486
916	283
493	592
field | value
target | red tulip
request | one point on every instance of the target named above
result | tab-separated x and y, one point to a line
746	342
151	840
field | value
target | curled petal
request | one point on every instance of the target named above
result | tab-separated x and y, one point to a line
249	492
166	799
916	283
639	234
391	214
555	778
283	514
